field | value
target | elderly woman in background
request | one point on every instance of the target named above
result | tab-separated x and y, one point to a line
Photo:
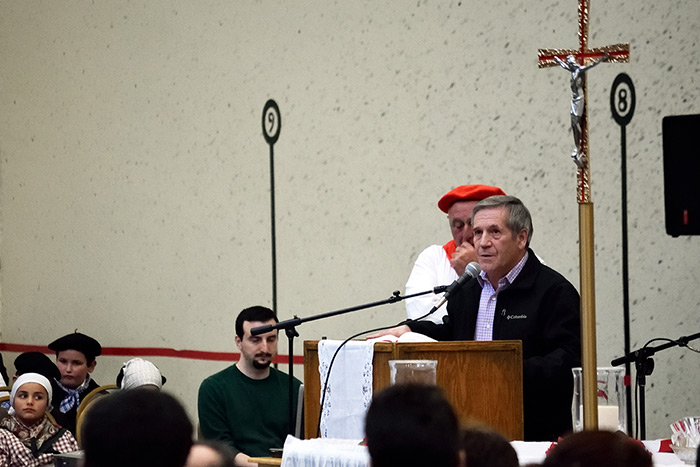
27	436
139	373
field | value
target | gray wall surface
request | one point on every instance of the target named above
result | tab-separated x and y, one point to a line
135	182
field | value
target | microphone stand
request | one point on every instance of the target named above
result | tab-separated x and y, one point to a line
644	365
289	327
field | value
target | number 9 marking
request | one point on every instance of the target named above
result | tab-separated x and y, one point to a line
271	122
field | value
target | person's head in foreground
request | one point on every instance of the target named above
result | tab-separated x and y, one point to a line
138	428
210	454
412	425
484	447
598	449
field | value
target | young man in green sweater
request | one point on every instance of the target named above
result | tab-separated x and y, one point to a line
247	404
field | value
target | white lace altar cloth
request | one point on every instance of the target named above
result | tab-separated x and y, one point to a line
349	391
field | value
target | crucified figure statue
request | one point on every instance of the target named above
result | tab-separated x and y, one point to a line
578	99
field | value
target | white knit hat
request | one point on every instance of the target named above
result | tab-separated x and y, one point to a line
138	372
31	378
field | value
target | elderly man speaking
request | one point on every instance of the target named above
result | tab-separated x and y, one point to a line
442	264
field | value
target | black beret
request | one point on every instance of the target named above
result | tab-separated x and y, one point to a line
80	342
36	362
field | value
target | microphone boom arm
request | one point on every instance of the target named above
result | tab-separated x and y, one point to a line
646	352
644	365
290	323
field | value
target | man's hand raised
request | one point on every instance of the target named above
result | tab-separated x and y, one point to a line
463	255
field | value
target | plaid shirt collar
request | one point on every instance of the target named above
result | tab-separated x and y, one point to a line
509	278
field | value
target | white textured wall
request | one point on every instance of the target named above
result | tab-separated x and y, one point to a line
135	179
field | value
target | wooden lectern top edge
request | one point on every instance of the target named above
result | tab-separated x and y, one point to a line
503	345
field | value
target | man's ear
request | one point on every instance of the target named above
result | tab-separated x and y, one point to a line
238	342
91	367
522	239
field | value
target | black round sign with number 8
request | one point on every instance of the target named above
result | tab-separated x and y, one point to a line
622	99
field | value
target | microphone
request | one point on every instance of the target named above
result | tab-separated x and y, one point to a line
471	271
262	329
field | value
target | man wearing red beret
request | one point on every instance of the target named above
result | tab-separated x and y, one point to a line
443	264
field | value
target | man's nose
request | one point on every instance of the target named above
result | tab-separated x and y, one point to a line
484	240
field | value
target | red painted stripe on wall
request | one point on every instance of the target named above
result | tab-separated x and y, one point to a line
153	352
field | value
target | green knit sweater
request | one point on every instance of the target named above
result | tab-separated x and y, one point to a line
250	415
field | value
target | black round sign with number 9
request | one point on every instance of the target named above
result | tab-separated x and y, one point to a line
271	121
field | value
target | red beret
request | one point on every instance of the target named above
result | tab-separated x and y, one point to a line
468	193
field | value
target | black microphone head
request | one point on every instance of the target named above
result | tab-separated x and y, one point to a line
470	272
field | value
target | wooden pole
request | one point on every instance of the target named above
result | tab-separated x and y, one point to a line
589	355
584	55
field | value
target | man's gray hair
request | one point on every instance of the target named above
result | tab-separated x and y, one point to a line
518	217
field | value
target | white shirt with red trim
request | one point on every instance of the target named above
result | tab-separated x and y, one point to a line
432	269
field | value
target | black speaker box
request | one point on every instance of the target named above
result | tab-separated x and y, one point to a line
681	139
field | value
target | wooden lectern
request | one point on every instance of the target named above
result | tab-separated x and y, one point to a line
482	380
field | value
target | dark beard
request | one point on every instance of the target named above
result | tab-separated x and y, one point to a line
261	366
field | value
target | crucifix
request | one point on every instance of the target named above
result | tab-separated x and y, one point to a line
578	61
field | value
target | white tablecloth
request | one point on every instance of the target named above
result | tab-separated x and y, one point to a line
329	452
534	453
324	452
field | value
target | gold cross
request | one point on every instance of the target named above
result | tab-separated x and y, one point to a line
617	53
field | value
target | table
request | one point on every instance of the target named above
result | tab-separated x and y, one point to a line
534	452
266	461
348	453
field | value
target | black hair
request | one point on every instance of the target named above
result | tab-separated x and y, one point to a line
598	449
412	425
484	447
138	428
253	313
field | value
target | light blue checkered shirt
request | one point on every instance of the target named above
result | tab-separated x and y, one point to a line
487	303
